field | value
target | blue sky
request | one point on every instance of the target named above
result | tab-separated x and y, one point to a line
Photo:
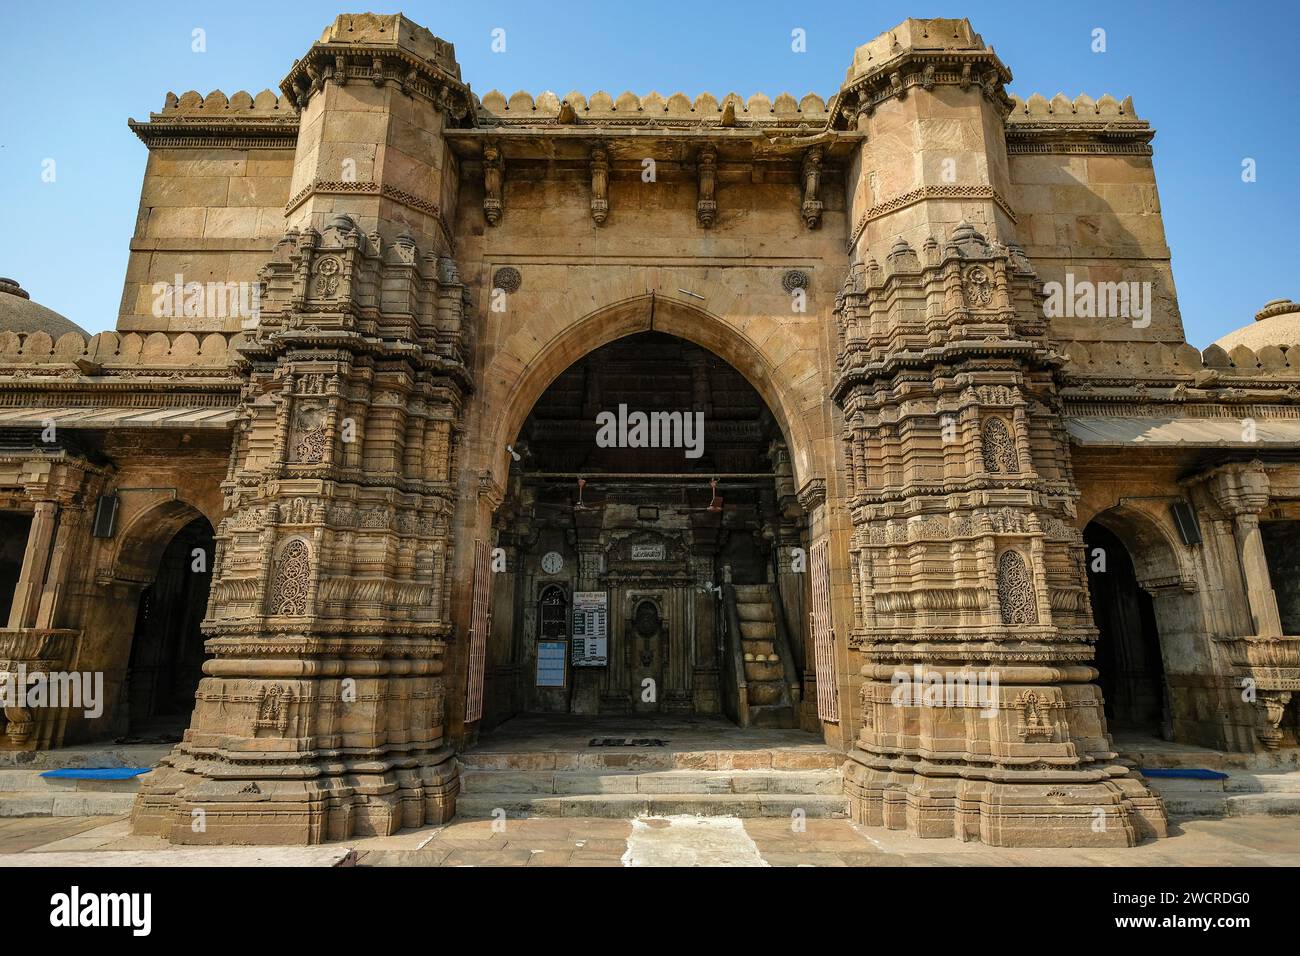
1217	81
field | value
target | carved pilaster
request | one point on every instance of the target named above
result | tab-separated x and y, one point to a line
599	184
706	205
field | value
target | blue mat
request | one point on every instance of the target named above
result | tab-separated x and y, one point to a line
1184	773
97	773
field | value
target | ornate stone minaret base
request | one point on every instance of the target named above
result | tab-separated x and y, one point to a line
321	714
971	617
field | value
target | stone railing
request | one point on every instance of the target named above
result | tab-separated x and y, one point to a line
113	349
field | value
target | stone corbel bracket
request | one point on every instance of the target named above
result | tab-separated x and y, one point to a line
599	183
706	206
493	176
811	208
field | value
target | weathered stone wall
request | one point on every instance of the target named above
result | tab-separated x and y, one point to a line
1084	190
212	202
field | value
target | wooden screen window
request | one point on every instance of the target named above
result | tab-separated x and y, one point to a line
554	624
828	706
480	623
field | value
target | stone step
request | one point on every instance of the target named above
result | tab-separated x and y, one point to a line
27	803
824	782
88	755
757	630
773	715
1231	805
626	806
1287	759
1178	785
750	593
753	612
764	671
654	758
758	646
31	781
1262	781
1238	781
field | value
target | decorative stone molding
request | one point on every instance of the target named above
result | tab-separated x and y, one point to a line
813	494
794	279
1271	709
508	279
923	193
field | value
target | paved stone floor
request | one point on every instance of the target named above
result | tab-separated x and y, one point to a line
657	841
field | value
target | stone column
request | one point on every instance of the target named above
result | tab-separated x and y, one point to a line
71	522
36	562
1242	491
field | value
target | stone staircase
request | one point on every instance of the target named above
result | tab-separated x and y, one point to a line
602	782
1257	784
25	793
768	688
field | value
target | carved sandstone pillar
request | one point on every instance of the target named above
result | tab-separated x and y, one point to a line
36	561
1242	491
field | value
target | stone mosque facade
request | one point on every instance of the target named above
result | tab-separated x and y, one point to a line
334	488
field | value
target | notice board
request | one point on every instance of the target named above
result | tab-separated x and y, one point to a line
590	629
551	663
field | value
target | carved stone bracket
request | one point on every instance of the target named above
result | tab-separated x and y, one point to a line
493	203
706	206
811	209
599	184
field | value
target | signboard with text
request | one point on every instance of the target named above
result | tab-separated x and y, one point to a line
590	629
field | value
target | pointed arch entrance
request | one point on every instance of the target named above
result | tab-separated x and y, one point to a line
649	488
164	558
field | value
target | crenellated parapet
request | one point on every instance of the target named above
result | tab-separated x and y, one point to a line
113	353
242	120
1079	126
784	112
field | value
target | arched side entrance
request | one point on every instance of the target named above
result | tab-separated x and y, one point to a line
1282	552
152	658
646	530
1128	657
14	528
1156	617
166	660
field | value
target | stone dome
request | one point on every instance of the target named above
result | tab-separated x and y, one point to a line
1278	323
18	313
